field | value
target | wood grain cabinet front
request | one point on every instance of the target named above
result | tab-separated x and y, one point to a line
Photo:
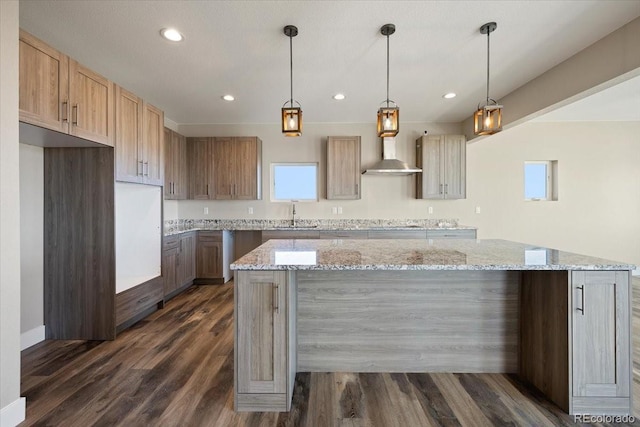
237	162
209	267
601	335
200	165
442	159
178	262
343	168
139	140
60	94
176	181
265	333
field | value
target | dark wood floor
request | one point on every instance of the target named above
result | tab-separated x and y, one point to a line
175	368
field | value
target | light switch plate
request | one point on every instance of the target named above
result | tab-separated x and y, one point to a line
430	209
477	209
250	210
206	211
334	210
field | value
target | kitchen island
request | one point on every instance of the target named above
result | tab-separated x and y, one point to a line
561	321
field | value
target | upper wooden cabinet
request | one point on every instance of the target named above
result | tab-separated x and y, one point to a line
200	168
60	94
139	140
343	167
175	169
442	159
238	167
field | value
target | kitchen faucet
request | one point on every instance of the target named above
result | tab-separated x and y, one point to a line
293	213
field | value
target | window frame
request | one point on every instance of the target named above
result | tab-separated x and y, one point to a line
272	181
551	184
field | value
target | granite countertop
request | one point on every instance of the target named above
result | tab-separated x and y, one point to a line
181	226
388	254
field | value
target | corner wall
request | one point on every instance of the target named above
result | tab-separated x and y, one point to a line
12	407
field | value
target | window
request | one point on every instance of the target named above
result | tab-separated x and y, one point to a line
540	180
294	181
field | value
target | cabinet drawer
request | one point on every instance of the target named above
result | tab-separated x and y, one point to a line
171	242
290	234
451	234
350	234
135	300
209	236
397	234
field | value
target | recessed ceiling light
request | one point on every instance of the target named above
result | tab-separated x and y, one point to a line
339	96
228	97
172	34
449	95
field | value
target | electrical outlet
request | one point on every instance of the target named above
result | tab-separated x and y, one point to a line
206	211
250	210
477	209
339	210
334	210
430	209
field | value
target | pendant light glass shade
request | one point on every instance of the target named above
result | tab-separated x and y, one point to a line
291	115
488	117
388	115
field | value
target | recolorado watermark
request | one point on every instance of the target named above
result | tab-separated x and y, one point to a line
588	418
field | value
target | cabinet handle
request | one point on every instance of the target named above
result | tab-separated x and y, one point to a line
581	309
74	115
65	111
143	299
276	297
441	186
207	189
356	188
173	188
140	168
446	189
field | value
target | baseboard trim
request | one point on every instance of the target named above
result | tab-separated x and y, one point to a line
14	413
32	337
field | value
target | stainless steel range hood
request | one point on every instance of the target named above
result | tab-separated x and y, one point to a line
389	165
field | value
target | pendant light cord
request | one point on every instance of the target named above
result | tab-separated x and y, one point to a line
291	66
488	33
387	70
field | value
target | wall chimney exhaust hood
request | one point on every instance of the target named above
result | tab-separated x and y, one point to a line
389	165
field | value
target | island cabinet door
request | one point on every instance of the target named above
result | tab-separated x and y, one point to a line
261	331
601	358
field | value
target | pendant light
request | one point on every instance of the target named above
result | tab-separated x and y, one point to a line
488	117
291	115
388	116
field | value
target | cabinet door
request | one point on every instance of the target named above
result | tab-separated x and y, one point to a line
343	168
455	165
180	175
170	269
601	334
169	164
199	153
129	167
429	154
152	149
44	85
187	265
247	153
91	97
224	166
209	259
261	331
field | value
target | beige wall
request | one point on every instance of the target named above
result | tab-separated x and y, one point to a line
382	196
599	183
11	409
31	237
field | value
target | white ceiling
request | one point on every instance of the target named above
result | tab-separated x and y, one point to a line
238	47
617	103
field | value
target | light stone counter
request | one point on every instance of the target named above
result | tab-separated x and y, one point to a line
386	254
183	225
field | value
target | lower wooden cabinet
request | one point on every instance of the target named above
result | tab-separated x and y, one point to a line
265	329
214	250
178	261
601	336
133	302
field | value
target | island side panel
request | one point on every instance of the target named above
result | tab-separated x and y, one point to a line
408	321
544	333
